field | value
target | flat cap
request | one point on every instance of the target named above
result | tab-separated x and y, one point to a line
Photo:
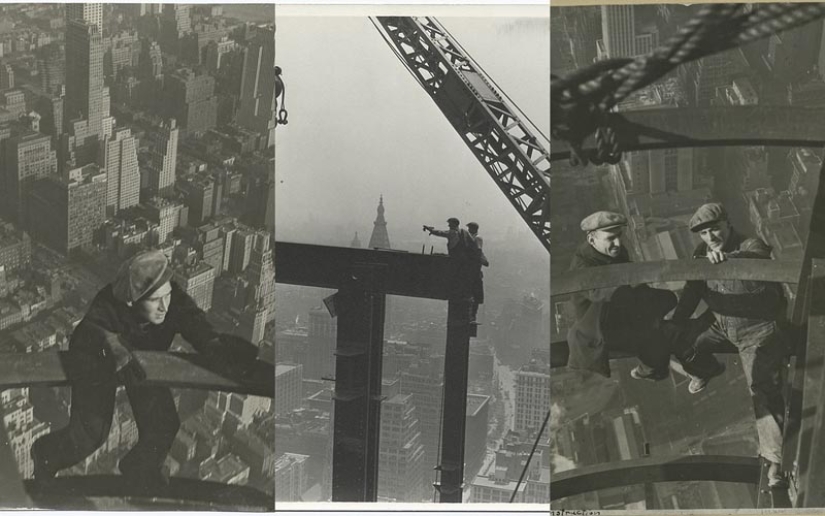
707	214
452	220
603	220
141	275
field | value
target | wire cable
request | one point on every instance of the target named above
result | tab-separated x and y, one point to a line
527	465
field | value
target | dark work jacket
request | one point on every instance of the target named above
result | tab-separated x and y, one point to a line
735	298
612	318
109	321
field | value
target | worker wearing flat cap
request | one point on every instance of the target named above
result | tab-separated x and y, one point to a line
626	319
143	309
748	314
462	248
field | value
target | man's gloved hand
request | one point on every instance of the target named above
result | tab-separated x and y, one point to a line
126	365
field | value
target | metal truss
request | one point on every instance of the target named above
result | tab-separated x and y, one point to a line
505	146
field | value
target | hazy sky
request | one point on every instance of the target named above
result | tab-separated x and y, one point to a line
360	126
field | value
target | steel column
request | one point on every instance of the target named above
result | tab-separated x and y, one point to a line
360	309
456	363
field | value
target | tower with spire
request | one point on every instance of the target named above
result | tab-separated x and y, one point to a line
356	242
380	238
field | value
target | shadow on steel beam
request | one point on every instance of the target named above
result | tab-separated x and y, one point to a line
104	491
722	468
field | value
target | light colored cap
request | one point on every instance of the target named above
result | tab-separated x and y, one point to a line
141	275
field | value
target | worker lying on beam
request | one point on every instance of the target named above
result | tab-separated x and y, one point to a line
629	319
141	310
748	314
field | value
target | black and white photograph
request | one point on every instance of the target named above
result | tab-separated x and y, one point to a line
412	258
688	250
137	282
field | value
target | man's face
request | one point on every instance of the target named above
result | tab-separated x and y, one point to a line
452	225
153	309
608	242
472	229
715	235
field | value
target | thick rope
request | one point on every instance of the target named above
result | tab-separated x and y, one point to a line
581	100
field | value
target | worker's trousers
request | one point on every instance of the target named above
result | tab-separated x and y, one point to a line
762	352
90	420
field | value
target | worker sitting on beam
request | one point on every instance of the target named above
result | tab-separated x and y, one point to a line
747	314
629	319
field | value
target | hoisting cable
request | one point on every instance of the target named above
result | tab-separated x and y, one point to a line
581	101
529	457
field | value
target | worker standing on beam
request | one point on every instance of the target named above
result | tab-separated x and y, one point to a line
747	315
461	247
143	309
628	319
481	260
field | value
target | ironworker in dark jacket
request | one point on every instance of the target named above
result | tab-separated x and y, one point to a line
626	319
746	315
141	310
462	249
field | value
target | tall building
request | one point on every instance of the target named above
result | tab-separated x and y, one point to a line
91	14
163	157
323	332
242	408
119	158
175	23
190	99
401	455
532	396
198	281
261	274
290	477
15	248
28	157
426	389
257	106
22	427
69	208
51	67
87	98
379	239
241	253
166	213
356	242
289	391
6	77
623	35
252	323
198	193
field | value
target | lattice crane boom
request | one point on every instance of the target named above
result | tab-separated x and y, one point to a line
504	144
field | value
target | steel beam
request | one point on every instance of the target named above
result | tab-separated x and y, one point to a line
721	468
183	370
456	364
781	271
407	274
711	127
81	492
810	473
357	402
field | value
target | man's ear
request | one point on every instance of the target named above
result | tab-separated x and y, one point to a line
129	304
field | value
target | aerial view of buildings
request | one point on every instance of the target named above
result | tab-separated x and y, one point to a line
768	192
127	127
